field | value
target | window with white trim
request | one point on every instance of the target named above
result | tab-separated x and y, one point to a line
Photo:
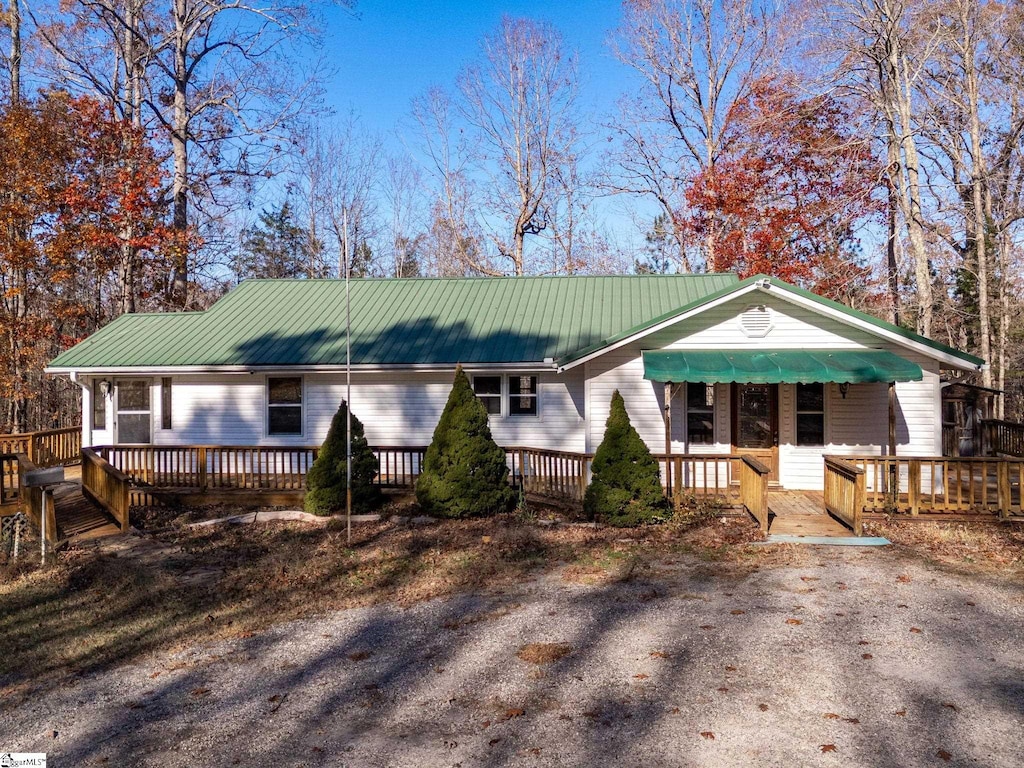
700	413
284	405
810	414
488	389
508	395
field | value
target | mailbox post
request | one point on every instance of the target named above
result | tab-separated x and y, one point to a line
45	480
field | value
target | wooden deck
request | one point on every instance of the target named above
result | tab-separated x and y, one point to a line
802	513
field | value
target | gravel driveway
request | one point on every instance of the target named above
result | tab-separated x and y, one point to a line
857	657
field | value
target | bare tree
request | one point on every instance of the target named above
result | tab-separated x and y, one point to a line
696	59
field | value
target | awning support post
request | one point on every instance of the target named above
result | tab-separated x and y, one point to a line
668	438
893	479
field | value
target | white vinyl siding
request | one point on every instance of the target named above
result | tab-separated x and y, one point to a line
399	408
858	424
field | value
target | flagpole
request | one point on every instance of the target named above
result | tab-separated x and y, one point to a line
348	385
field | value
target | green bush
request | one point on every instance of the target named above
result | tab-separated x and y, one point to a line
625	485
464	472
326	481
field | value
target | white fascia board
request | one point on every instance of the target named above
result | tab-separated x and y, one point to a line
842	317
170	370
660	326
782	293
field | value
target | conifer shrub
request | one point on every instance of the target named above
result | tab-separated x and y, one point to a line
464	472
326	480
625	486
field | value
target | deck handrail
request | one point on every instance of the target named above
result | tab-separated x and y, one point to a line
106	485
754	489
844	492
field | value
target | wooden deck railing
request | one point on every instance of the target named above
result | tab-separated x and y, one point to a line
49	448
754	489
1002	438
556	474
31	502
941	485
845	492
8	477
106	485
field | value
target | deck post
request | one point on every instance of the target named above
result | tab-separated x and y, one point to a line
892	418
201	460
914	486
1003	480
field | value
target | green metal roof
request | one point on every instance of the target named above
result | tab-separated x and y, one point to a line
789	366
394	322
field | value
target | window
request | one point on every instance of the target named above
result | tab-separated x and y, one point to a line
165	403
700	414
488	389
99	404
132	419
810	414
512	395
284	405
522	395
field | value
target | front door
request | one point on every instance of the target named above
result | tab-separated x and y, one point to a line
133	414
755	423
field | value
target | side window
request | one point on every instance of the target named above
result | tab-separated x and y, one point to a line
99	404
488	389
284	405
522	395
810	414
700	413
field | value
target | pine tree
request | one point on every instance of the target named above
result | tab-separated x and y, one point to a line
326	481
625	487
464	472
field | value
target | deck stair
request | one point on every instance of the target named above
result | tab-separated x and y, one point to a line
802	513
80	518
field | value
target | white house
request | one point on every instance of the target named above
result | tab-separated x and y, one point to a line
755	366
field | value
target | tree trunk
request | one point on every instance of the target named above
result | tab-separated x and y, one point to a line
179	150
14	19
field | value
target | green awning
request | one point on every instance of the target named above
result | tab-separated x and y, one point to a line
784	366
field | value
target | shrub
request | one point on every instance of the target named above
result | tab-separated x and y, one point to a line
625	486
326	481
464	472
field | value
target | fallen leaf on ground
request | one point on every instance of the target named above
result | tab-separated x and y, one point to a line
723	689
903	578
641	676
915	630
944	755
950	705
737	612
660	655
763	707
830	716
543	653
866	656
828	748
730	668
707	626
794	621
708	735
359	655
492	742
863	642
851	720
199	691
900	713
514	712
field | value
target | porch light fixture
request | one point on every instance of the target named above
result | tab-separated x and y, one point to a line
105	387
844	388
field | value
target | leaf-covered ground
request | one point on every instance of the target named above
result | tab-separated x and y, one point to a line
494	642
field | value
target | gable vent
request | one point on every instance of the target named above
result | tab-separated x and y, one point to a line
756	321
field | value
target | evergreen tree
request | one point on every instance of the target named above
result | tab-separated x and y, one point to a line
464	472
625	486
278	247
326	481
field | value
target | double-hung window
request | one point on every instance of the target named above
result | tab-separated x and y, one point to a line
700	413
284	405
810	414
512	395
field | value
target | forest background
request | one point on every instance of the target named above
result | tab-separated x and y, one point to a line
153	153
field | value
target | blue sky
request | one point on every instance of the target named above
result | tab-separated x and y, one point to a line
395	49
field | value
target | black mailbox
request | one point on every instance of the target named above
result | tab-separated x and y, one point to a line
43	477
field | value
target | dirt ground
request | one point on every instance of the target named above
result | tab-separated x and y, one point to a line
497	644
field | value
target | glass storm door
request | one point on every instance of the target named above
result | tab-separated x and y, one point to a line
756	423
133	419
